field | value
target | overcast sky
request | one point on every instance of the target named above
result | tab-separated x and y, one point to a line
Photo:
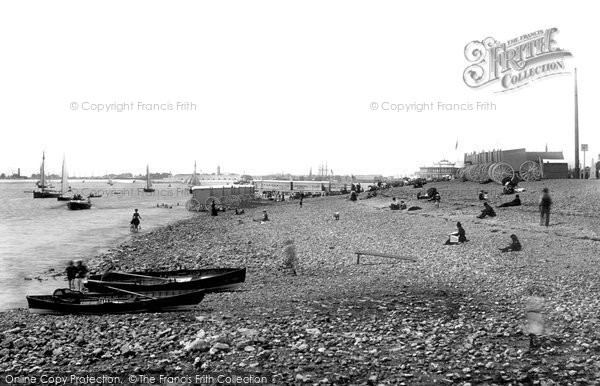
278	85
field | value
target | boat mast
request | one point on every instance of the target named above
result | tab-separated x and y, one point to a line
148	184
43	171
64	181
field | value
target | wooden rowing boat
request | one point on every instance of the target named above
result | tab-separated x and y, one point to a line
209	280
66	301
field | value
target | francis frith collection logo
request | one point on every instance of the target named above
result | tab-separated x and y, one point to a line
516	62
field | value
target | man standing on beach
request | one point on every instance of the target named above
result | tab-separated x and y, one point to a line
71	273
301	198
545	204
80	274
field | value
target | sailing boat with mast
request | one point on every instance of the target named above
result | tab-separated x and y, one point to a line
43	191
64	184
148	188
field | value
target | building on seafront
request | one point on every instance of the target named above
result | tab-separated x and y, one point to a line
441	170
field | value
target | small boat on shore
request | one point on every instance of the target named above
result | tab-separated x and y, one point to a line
209	280
78	203
66	301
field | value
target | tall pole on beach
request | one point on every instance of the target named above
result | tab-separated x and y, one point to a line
577	170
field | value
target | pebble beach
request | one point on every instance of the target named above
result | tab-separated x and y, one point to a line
456	315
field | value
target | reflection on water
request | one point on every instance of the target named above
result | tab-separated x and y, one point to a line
41	234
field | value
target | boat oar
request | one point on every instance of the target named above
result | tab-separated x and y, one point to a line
143	276
130	292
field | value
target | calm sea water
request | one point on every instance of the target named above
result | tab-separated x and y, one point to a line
39	234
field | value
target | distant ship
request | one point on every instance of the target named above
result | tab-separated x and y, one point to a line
79	203
148	188
64	184
43	191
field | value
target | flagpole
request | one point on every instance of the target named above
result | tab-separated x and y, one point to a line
577	171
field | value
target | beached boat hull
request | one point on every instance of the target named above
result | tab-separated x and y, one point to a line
148	190
114	303
45	194
79	205
209	280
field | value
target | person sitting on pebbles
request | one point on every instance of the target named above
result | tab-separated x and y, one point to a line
402	205
394	205
457	237
487	211
436	199
421	196
264	218
515	245
515	202
508	188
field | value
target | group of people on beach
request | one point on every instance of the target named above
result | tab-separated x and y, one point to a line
459	236
545	203
544	206
76	272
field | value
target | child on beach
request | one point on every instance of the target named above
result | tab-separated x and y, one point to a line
436	199
515	245
71	272
265	218
457	237
545	204
135	221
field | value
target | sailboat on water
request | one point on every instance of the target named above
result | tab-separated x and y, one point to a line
64	184
44	191
148	188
